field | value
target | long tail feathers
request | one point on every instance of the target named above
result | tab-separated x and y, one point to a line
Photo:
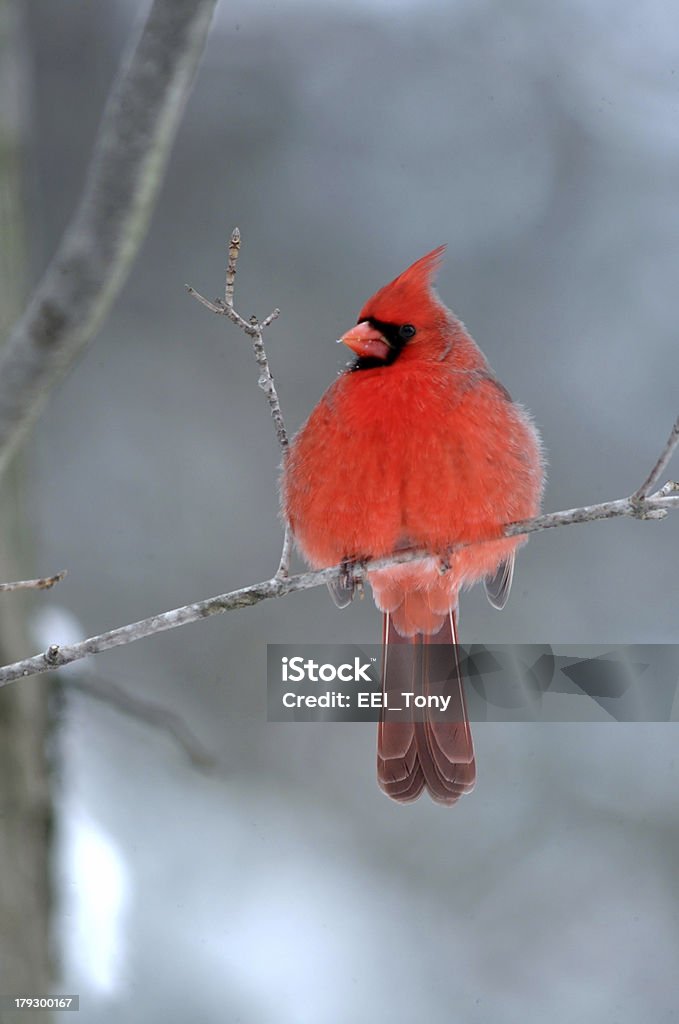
436	753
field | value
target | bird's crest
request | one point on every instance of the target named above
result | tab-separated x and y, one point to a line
408	294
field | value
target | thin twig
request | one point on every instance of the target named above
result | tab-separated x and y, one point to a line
234	249
654	507
283	570
44	583
255	331
660	466
146	711
123	181
254	328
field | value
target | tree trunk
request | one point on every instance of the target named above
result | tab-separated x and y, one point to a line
25	803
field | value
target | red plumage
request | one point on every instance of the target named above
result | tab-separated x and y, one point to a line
416	446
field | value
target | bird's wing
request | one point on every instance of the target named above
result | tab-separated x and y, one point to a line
341	593
499	585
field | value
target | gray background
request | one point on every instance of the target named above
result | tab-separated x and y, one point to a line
541	142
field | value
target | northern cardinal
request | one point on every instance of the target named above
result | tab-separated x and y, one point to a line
416	445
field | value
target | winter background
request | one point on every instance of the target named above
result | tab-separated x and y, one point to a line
541	142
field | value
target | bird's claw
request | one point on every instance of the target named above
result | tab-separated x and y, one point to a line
348	582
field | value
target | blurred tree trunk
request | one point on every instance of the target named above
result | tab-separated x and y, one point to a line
25	803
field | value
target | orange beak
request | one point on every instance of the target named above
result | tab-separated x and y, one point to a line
366	341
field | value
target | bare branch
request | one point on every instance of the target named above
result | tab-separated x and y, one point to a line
254	329
660	466
654	507
283	570
234	249
123	181
45	583
148	712
214	307
266	382
270	318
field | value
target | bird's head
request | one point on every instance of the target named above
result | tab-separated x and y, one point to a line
404	320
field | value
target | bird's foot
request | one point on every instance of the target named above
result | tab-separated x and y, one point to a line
348	582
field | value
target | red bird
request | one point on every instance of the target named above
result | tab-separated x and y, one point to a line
416	445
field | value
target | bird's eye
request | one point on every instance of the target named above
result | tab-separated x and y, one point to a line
407	331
